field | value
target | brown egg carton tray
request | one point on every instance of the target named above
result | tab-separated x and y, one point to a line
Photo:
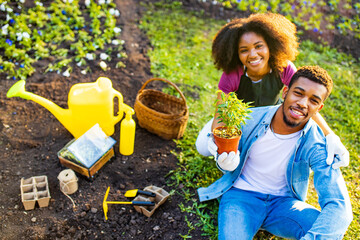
35	189
160	198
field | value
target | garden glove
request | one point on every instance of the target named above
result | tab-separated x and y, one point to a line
212	146
335	147
202	139
228	161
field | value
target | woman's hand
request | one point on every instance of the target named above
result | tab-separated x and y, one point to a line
334	147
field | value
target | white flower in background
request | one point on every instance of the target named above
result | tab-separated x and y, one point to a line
2	7
104	56
4	29
117	30
114	12
69	1
39	4
122	42
101	2
26	35
66	73
8	17
81	62
22	1
87	3
103	65
115	42
19	36
108	1
83	72
9	9
89	56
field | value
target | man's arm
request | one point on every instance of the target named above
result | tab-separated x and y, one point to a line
333	144
336	214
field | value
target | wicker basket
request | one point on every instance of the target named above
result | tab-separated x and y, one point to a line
160	113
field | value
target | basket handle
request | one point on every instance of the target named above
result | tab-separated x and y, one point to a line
167	81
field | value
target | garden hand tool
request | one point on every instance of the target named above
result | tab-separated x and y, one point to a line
138	203
135	192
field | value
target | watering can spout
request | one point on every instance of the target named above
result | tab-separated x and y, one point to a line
63	115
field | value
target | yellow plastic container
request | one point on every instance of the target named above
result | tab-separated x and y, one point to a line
127	134
93	103
89	103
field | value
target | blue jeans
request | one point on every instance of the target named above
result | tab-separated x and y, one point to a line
242	213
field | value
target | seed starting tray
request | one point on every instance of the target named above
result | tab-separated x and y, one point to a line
68	160
35	189
160	198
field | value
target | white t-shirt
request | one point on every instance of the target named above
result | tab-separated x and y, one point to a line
265	168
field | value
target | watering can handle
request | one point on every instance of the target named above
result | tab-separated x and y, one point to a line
120	97
167	81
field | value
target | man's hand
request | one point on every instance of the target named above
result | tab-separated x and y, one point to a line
335	146
228	161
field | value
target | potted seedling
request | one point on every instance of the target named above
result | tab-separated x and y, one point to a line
232	112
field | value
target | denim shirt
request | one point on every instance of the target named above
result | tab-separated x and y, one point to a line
310	153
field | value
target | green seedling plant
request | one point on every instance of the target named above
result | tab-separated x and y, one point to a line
60	33
232	112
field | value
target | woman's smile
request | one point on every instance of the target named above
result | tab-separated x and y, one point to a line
254	54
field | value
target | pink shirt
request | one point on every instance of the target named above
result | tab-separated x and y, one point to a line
230	82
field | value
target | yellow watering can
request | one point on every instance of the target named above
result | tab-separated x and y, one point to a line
89	103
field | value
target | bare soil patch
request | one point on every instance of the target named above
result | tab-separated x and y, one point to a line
31	137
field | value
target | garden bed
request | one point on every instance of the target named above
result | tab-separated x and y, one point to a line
31	137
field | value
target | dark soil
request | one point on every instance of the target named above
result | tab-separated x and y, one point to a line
30	138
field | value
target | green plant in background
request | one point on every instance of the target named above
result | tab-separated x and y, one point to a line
182	53
306	13
232	112
60	32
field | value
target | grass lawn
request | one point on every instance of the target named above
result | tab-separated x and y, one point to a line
181	53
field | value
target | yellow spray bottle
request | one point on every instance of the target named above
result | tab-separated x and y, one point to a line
127	134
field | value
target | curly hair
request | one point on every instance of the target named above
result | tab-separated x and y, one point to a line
278	32
315	74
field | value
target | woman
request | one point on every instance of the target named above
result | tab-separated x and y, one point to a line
255	54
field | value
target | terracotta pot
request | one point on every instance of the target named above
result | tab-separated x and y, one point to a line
226	144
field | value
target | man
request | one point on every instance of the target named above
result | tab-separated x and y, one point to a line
265	183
